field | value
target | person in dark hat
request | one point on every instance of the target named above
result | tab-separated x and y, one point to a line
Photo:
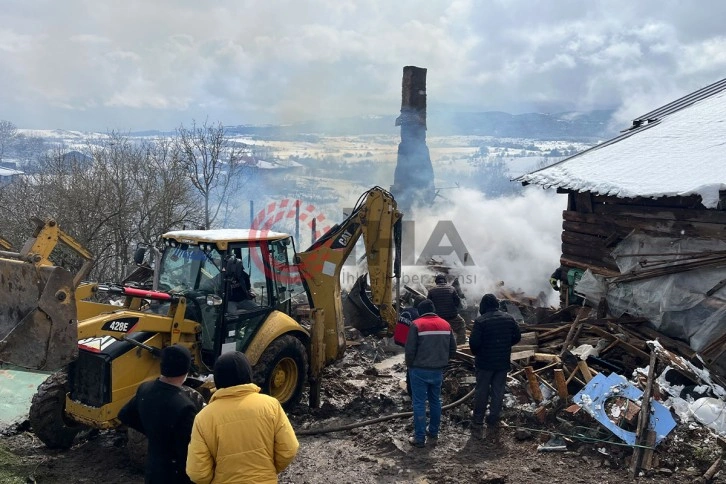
239	421
447	301
491	341
429	346
163	412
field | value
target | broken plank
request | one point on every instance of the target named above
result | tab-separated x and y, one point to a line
643	418
521	355
597	268
574	328
647	459
669	343
585	370
533	385
528	338
546	357
538	370
560	383
517	348
556	316
627	346
553	332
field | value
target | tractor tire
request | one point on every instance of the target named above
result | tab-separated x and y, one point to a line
47	413
282	370
137	444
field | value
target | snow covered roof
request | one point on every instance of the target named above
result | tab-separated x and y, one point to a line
680	151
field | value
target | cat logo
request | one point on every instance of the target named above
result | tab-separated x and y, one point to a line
345	237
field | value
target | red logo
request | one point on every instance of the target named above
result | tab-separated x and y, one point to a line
279	216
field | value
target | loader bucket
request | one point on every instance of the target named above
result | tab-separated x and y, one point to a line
38	327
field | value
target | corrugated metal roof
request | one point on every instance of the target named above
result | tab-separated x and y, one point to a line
681	103
678	149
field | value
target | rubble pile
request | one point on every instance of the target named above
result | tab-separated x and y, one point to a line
587	376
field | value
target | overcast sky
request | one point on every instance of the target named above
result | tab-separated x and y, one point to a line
131	65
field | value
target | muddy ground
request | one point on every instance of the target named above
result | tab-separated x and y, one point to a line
368	384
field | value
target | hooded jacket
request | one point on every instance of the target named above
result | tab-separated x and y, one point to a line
240	436
446	300
492	338
163	413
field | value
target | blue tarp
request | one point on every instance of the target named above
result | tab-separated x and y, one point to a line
600	389
17	388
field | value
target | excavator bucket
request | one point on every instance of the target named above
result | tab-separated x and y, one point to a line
37	315
361	312
38	312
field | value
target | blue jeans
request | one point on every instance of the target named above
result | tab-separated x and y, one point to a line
426	385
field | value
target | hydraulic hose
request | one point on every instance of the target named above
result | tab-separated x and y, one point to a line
326	430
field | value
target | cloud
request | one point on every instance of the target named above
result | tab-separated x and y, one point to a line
92	65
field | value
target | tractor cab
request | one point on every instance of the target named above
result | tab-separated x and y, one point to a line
232	280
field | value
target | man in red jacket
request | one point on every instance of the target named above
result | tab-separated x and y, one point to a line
429	346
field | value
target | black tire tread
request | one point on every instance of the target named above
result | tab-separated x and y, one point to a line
46	413
267	361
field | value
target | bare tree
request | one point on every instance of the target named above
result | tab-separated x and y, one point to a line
167	198
8	131
110	196
213	164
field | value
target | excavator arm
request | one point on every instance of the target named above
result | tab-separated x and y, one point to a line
377	219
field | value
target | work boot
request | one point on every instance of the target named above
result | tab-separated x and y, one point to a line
433	438
493	432
477	431
416	443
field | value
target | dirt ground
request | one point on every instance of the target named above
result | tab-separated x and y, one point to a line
368	384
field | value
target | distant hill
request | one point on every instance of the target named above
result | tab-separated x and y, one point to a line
559	126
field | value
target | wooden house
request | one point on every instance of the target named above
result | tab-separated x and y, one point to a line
665	179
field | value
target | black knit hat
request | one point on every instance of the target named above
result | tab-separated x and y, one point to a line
439	278
232	369
488	303
175	361
426	306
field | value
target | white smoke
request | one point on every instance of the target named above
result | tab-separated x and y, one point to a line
514	240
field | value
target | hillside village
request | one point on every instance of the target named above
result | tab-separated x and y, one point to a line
612	229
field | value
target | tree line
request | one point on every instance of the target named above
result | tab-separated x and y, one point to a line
118	192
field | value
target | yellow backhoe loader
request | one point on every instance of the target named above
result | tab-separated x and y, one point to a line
288	321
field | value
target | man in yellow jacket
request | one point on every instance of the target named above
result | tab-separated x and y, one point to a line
241	435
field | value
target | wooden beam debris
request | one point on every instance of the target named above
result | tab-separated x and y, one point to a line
533	385
641	437
574	330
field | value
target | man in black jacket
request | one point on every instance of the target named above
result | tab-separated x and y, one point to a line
446	300
491	341
162	411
